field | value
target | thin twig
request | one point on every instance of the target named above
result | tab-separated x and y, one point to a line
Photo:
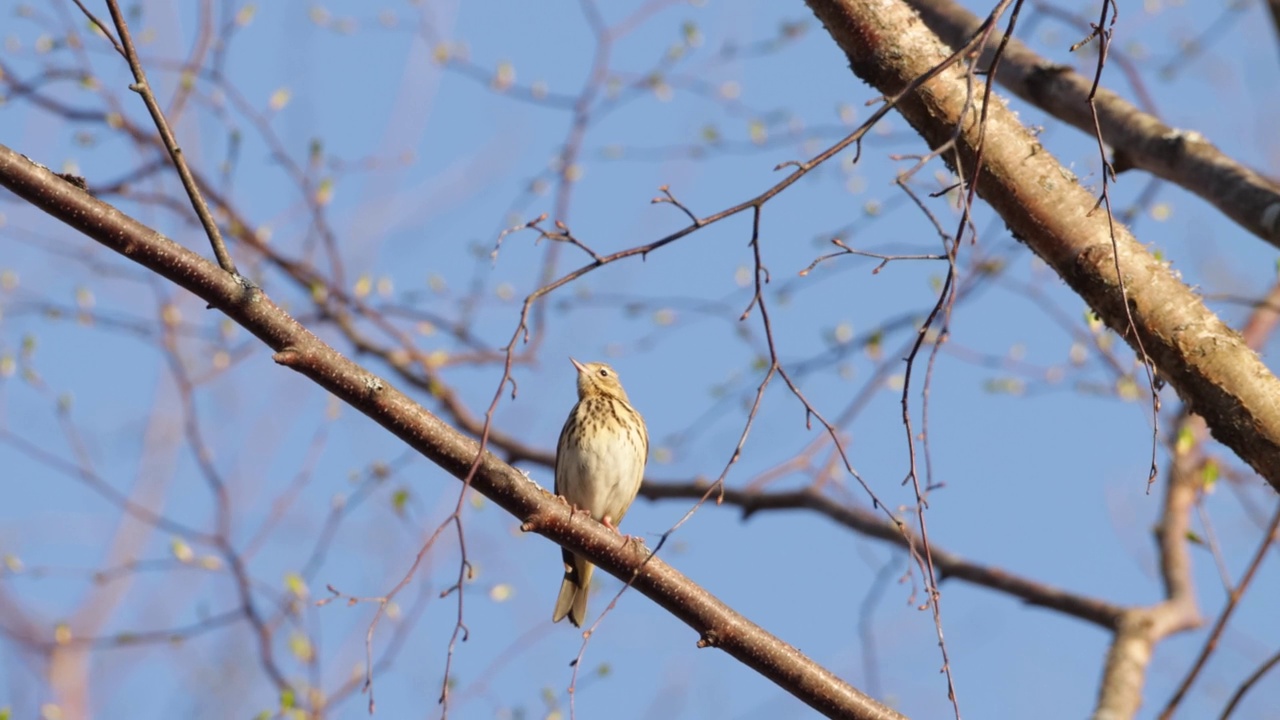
143	88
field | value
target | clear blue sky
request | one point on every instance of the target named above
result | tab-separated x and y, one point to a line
1049	484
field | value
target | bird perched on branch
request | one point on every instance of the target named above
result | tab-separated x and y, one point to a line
599	466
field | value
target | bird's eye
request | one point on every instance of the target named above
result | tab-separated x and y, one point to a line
604	372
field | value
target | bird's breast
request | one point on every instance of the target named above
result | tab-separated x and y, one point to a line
601	470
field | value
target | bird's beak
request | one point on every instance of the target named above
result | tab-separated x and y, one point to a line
582	369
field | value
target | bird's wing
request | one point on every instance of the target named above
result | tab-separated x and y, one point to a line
560	449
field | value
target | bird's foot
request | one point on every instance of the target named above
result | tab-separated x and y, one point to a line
608	522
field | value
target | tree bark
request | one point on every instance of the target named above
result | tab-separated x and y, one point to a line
1045	207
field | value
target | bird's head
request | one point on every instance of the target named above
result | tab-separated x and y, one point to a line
598	379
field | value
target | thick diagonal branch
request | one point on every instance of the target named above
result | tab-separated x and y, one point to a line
1043	204
717	624
1141	140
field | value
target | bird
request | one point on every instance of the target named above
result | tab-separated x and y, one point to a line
600	460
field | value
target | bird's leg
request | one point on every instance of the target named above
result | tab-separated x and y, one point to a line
608	522
572	509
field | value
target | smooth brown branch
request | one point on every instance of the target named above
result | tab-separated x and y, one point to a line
715	622
870	524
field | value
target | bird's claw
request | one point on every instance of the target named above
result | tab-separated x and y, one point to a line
608	522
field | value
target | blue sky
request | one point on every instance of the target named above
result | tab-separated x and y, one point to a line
428	164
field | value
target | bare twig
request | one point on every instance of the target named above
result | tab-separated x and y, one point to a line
143	88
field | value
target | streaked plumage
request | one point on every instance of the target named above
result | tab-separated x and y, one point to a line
599	466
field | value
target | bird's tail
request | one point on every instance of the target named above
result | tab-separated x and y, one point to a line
572	602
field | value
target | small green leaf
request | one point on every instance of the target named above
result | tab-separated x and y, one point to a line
399	500
294	583
1209	474
300	646
181	550
1186	441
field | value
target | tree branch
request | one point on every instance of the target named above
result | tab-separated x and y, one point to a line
1140	140
1043	204
296	347
873	525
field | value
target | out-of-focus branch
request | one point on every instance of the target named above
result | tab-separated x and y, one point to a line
1233	602
717	624
1044	205
1140	140
1142	627
1274	7
340	308
1120	692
